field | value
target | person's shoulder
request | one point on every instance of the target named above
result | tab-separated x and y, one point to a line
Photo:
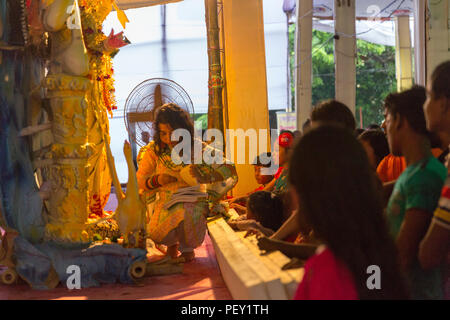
387	162
425	171
327	268
421	184
434	165
321	259
430	172
144	148
151	146
150	150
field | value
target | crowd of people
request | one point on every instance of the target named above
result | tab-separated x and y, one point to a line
343	201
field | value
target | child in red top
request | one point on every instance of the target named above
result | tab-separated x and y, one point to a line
333	186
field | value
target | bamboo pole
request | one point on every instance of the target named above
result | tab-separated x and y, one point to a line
215	82
224	67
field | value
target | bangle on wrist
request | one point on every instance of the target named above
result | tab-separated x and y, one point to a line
152	182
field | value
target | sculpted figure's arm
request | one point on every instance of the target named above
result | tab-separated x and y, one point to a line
57	14
62	14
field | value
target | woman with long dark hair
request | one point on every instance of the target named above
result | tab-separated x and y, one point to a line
335	189
178	225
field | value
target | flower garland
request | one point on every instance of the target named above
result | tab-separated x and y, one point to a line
93	13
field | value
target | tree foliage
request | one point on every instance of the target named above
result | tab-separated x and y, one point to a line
375	74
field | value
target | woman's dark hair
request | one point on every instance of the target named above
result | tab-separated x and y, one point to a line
440	80
374	126
174	116
359	131
333	111
306	125
339	199
409	104
267	208
378	142
258	160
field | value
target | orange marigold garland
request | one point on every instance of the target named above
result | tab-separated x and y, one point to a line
93	14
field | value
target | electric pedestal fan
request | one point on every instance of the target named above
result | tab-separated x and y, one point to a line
144	101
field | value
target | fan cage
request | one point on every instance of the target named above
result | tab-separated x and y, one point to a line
142	99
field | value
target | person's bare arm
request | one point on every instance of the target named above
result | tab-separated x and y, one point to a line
301	251
251	226
270	185
434	247
290	226
239	209
236	199
412	231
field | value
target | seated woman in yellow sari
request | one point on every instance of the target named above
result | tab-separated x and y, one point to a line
181	225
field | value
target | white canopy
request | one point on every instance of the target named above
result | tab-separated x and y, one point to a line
132	4
322	8
379	32
366	9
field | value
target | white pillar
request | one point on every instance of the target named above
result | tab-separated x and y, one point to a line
345	52
438	47
403	53
420	62
303	61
